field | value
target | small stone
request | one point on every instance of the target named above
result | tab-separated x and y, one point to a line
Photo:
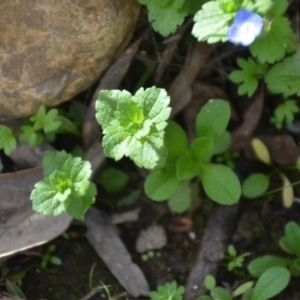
153	237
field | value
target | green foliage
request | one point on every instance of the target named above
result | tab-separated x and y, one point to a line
209	282
113	180
42	125
284	113
212	23
273	273
14	289
7	140
162	184
276	35
220	183
213	119
255	185
284	77
235	260
271	283
181	200
49	257
187	162
169	291
66	186
133	126
166	15
248	76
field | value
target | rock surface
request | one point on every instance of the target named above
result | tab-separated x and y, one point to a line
50	50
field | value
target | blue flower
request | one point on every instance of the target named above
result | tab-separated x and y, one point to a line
246	26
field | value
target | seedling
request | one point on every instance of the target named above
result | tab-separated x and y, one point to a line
169	291
49	257
66	186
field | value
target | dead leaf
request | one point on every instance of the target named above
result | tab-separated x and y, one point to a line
103	237
20	227
181	88
128	216
287	191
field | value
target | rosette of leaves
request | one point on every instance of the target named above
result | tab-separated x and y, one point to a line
66	186
168	291
133	125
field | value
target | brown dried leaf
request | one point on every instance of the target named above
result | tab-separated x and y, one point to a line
20	227
181	88
103	237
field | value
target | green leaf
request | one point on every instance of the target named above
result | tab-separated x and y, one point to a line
66	186
106	105
14	289
56	260
169	291
46	199
30	135
113	180
213	118
242	288
211	23
68	126
205	297
255	185
285	246
284	113
220	183
262	7
7	140
186	168
279	8
275	36
248	76
133	126
202	148
222	142
46	121
194	5
79	206
220	293
284	77
161	184
292	234
176	140
209	282
271	283
181	200
231	251
166	15
261	264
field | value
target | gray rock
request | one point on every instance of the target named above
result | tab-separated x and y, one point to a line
50	50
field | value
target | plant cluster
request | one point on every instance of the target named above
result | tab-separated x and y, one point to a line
271	273
168	291
44	125
139	130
